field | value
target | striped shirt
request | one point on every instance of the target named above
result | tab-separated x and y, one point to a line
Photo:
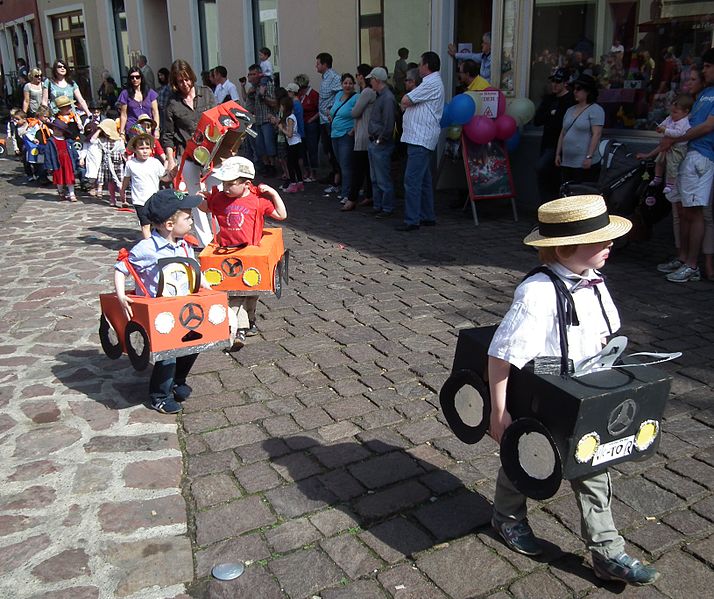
330	86
421	119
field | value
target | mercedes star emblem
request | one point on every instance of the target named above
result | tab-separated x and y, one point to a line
621	417
191	316
232	267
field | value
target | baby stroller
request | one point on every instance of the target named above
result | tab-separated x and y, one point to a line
624	183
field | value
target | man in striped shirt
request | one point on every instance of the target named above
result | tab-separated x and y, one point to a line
330	86
422	107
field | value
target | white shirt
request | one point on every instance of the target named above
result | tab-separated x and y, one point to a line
145	177
225	89
422	120
267	67
295	139
530	327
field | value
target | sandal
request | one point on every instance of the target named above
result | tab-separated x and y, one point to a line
72	198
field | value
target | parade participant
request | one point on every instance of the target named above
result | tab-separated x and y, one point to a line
240	209
66	114
111	168
61	84
573	238
170	213
136	98
61	160
143	172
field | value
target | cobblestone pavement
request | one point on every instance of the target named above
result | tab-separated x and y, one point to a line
317	454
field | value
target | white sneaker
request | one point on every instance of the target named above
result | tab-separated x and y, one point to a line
332	189
684	274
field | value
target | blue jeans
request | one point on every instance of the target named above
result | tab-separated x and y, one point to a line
419	193
312	144
380	161
265	142
343	147
166	374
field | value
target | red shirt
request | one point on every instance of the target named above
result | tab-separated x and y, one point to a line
310	102
240	219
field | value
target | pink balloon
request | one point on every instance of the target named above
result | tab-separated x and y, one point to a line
501	101
480	129
506	126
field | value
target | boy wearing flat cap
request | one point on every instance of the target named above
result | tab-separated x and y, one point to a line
573	238
169	211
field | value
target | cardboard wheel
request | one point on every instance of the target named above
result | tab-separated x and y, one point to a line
109	339
466	404
137	345
286	267
3	149
531	459
278	279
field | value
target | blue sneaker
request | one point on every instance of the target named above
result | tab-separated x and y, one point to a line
623	568
167	406
182	392
518	536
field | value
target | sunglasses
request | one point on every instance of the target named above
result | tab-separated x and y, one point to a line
134	76
61	66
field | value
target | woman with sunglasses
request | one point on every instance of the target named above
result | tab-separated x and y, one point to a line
32	93
577	152
61	84
134	100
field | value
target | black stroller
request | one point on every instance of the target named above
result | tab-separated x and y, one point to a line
624	183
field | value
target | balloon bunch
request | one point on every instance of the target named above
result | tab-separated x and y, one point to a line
461	116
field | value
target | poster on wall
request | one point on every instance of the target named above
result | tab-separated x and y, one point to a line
488	170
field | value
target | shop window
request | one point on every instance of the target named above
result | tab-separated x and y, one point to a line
265	31
71	46
208	27
639	52
387	25
122	36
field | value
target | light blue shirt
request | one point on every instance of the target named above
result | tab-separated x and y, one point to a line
330	86
703	109
342	121
145	255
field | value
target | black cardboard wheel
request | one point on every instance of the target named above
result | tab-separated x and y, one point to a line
278	279
531	459
109	339
139	359
466	404
286	267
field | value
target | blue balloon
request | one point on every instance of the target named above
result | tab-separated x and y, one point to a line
446	120
462	109
513	142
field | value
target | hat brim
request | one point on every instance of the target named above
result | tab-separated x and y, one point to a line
618	227
217	174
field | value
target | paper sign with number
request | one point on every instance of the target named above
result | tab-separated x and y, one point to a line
489	104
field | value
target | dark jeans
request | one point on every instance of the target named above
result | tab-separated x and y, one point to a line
548	176
326	139
168	373
311	144
294	153
360	176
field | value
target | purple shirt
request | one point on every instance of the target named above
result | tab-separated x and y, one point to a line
134	109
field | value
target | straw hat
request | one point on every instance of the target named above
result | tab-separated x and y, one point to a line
576	220
109	127
146	119
63	101
131	146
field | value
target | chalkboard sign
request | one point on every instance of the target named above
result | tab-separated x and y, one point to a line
488	170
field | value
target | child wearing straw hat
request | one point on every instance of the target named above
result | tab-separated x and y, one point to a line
111	167
574	237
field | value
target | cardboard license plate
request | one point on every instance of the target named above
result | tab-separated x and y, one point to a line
614	450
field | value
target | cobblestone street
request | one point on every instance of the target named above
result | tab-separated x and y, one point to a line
317	454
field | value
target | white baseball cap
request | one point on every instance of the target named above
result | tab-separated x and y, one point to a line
378	73
235	167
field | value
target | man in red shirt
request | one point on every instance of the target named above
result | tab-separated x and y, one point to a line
240	210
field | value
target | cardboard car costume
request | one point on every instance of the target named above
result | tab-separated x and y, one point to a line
564	426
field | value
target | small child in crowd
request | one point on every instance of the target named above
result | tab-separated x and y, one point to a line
111	167
11	132
240	209
61	160
143	172
288	127
573	239
675	125
170	213
68	116
266	66
145	124
35	142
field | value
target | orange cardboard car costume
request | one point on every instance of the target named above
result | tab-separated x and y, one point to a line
183	319
218	135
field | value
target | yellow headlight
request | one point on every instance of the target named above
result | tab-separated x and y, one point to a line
646	434
201	155
251	277
213	276
586	447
